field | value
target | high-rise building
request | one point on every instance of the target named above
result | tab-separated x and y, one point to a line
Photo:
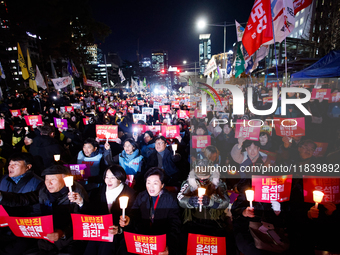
159	60
93	52
303	21
146	62
204	51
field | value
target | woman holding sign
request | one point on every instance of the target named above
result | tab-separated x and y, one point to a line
105	200
154	212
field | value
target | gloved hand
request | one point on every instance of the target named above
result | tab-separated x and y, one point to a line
205	200
276	206
193	201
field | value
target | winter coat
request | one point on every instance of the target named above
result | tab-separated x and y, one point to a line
45	147
94	161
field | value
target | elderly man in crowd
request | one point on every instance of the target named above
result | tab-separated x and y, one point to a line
53	200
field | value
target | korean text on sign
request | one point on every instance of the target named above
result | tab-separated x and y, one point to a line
31	227
290	127
32	120
250	132
205	245
329	186
92	227
271	188
170	131
145	244
200	141
107	131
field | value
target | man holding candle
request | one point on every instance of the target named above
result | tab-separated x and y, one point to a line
53	199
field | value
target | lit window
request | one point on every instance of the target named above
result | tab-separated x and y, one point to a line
14	48
9	48
12	61
303	10
300	32
15	73
296	23
301	21
16	79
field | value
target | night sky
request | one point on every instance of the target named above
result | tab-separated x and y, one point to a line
167	25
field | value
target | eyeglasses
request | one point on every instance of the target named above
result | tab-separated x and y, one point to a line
160	143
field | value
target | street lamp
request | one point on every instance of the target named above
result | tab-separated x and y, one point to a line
184	62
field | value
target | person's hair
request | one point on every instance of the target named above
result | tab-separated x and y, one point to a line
45	130
160	138
209	150
308	141
149	133
132	142
91	141
117	171
21	156
155	171
264	133
202	126
248	143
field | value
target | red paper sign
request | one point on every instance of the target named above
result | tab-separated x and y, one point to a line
183	114
156	130
102	109
175	104
138	128
92	227
140	102
210	245
86	121
170	131
335	97
93	103
15	113
200	141
3	217
24	110
2	123
267	100
329	186
164	108
31	227
145	244
111	111
32	120
323	93
271	188
131	109
104	131
124	102
290	127
199	115
69	109
249	132
320	149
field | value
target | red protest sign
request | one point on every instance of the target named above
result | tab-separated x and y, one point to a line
200	141
140	102
170	131
69	109
24	110
199	115
93	103
271	188
144	244
183	114
156	130
31	227
2	123
320	149
86	121
138	128
102	109
249	130
290	127
111	111
3	217
335	97
123	102
321	93
92	227
267	100
175	104
107	131
164	108
15	113
202	244
329	186
32	120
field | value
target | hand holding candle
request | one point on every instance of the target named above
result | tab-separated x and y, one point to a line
317	197
250	197
69	182
201	192
56	157
123	202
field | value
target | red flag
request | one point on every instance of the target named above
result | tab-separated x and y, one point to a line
259	27
301	4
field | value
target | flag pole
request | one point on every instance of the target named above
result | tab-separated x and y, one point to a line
277	72
286	64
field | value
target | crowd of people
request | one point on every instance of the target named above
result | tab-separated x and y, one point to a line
162	181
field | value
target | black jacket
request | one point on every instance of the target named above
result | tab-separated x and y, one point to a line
45	147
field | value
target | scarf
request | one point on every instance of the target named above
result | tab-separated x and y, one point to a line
111	195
